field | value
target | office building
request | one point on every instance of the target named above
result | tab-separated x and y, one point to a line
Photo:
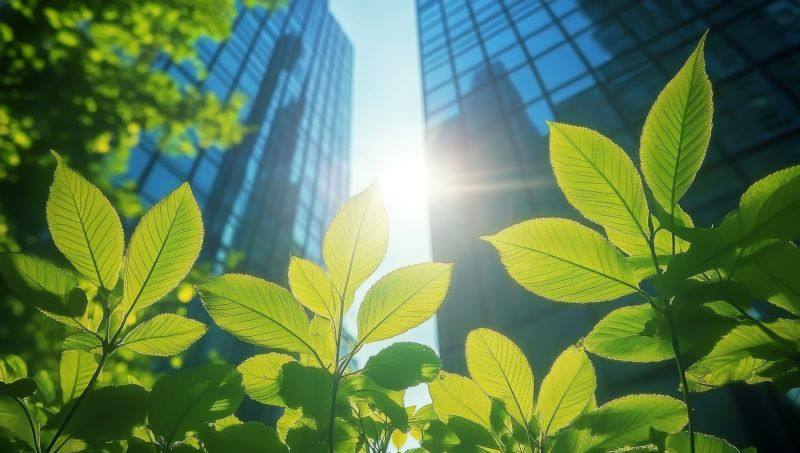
495	71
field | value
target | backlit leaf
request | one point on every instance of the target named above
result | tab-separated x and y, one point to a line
403	365
703	443
85	227
164	335
623	422
257	311
162	250
188	399
769	209
82	341
75	370
600	180
313	288
306	388
502	371
632	334
13	423
566	390
248	437
323	340
260	377
459	396
45	286
402	299
677	131
773	274
106	414
564	261
356	240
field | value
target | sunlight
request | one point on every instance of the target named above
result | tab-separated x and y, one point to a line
404	180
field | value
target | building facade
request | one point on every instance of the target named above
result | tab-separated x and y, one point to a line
274	194
495	71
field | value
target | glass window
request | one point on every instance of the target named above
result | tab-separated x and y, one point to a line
440	97
137	162
521	88
508	60
787	70
435	77
562	7
500	41
160	182
769	30
474	79
559	66
635	90
468	60
205	175
533	22
538	114
544	40
481	107
582	102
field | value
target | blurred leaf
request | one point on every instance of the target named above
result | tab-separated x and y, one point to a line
248	437
541	256
260	376
623	422
773	274
306	388
257	311
439	437
676	133
75	371
45	386
162	250
356	240
600	180
164	335
402	299
20	388
187	399
502	371
703	443
566	390
13	423
459	396
85	227
12	368
45	286
403	365
632	334
106	414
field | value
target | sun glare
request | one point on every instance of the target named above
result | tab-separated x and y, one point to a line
404	181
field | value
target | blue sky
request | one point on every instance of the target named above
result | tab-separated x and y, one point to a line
387	136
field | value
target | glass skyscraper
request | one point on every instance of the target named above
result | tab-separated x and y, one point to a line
272	195
495	71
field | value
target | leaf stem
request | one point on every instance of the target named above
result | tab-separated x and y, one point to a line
81	397
31	425
682	372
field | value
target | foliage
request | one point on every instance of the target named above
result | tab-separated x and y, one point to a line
697	283
99	307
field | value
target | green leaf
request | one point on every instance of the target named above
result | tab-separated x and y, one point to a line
676	133
623	422
403	365
248	437
164	335
459	396
12	368
323	340
632	334
13	423
389	403
566	390
600	181
20	388
314	288
163	248
502	371
85	227
439	437
45	386
748	354
307	388
260	375
402	299
703	443
257	311
106	414
188	399
75	370
564	261
44	285
773	274
82	341
769	209
356	240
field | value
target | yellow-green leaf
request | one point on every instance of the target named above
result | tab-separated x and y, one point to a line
356	240
402	299
600	180
85	227
703	443
564	261
773	274
323	341
770	207
257	311
502	371
677	131
633	334
566	390
459	396
165	335
75	370
314	289
260	377
163	249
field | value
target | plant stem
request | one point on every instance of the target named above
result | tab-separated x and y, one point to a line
24	407
80	399
336	381
676	347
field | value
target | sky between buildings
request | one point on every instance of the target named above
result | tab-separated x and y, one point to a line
388	136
